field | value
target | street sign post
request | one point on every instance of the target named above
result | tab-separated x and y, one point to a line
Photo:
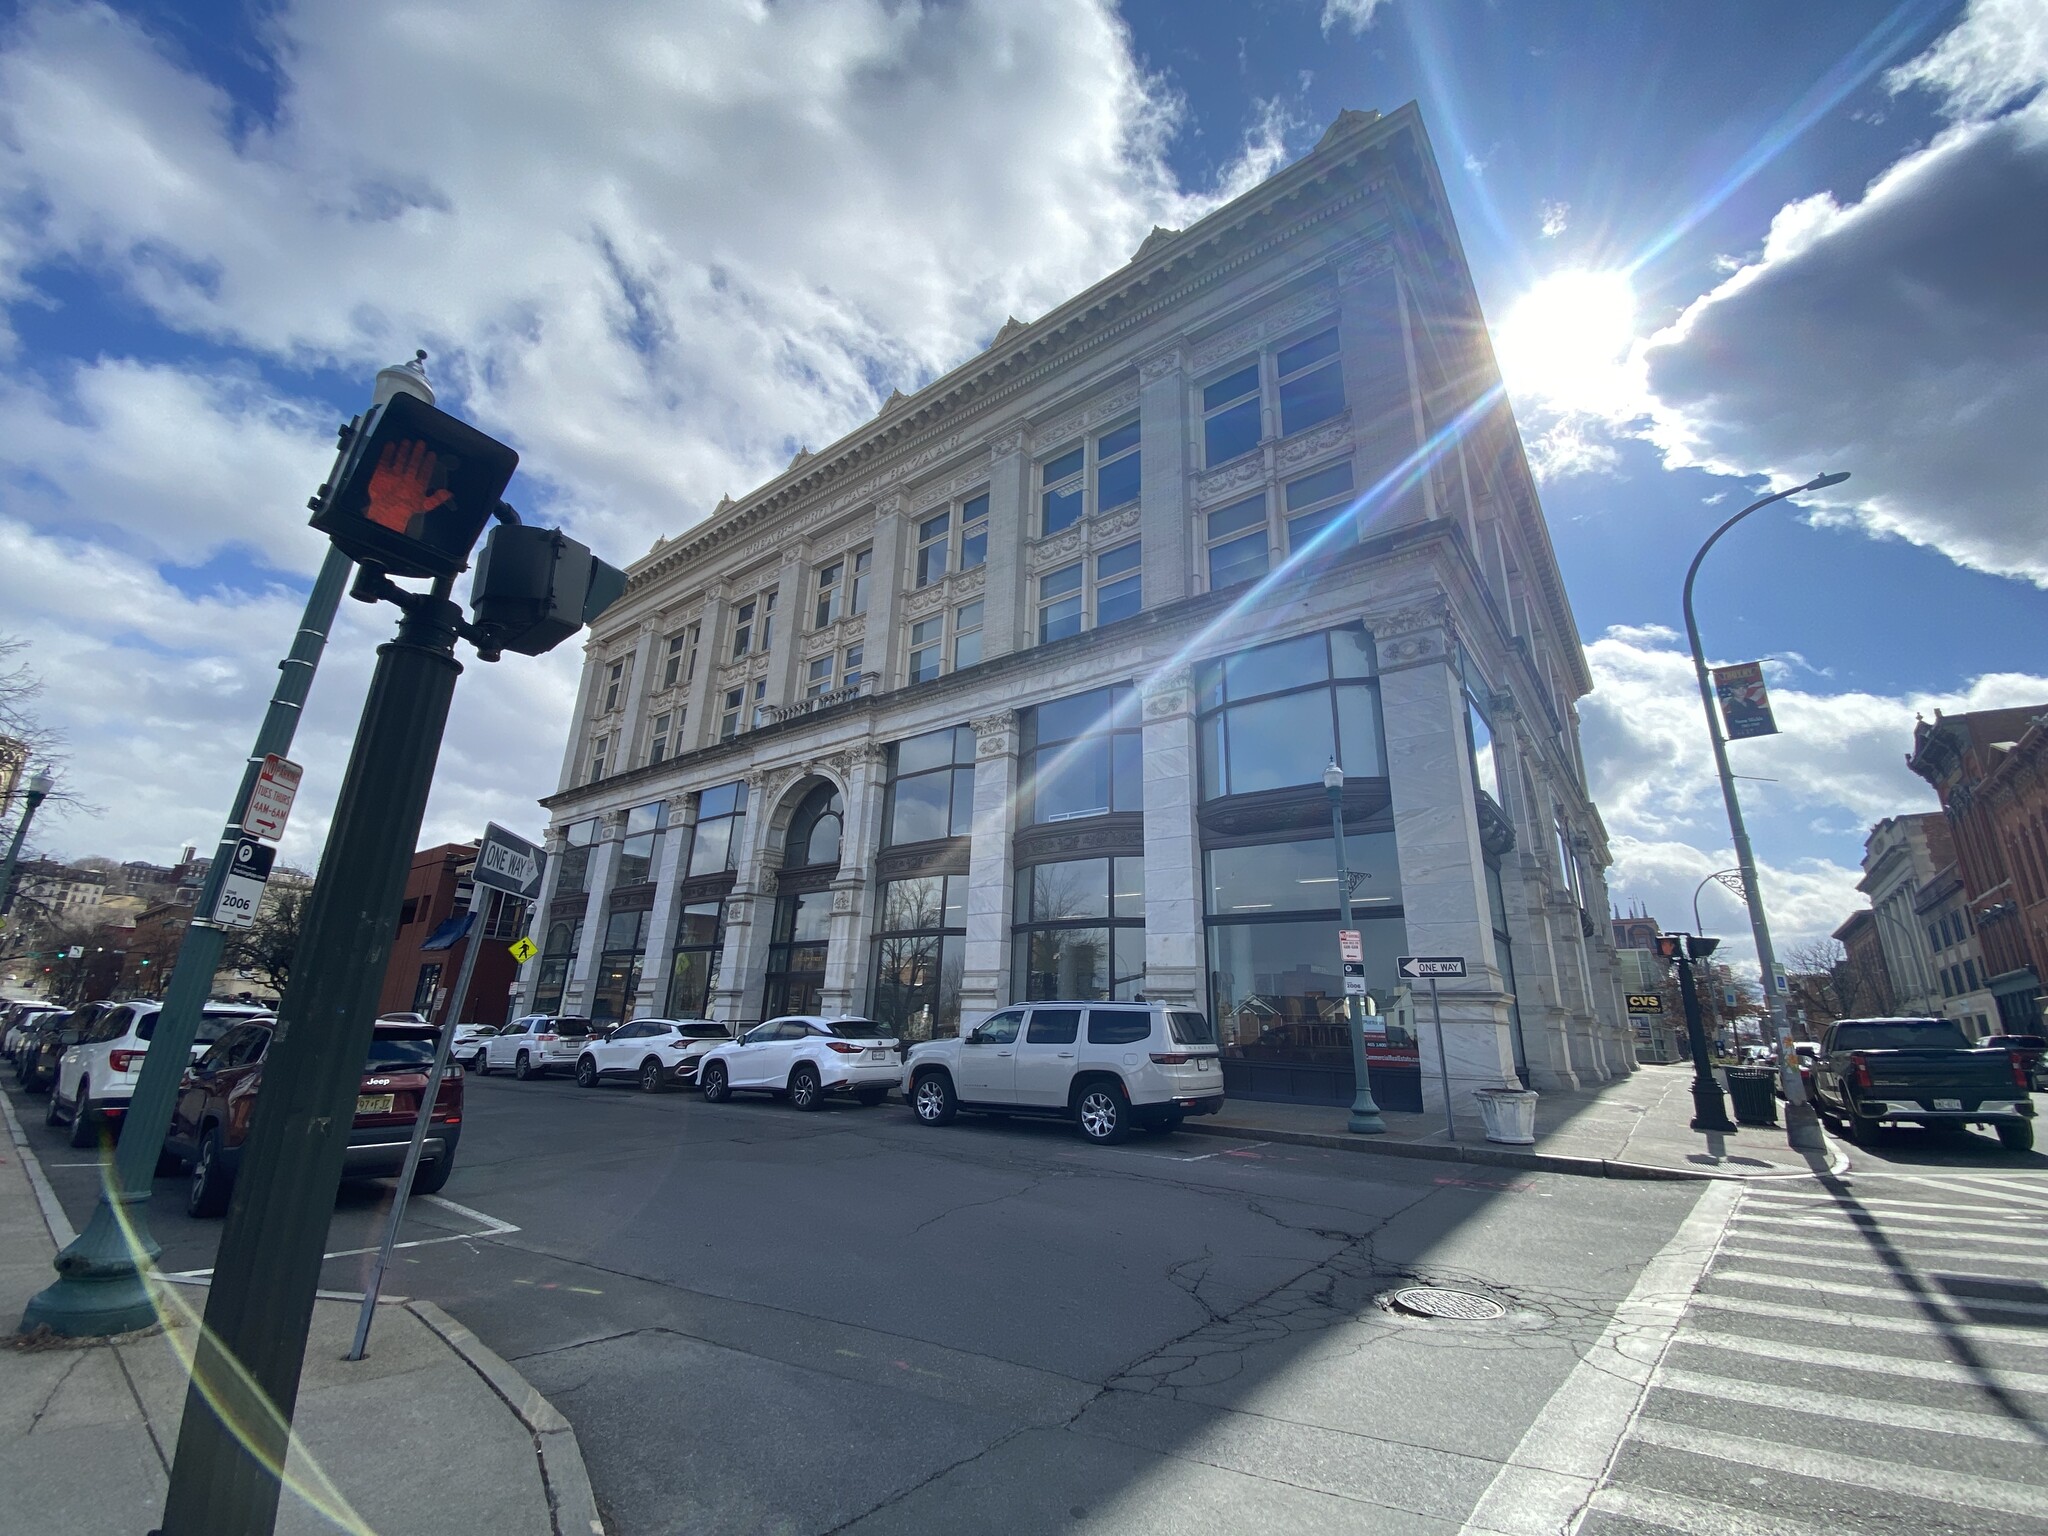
508	862
270	798
523	949
1434	968
241	893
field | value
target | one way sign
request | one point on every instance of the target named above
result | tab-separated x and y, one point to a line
1421	967
508	862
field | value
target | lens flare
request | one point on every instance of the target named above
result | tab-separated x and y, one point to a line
1566	343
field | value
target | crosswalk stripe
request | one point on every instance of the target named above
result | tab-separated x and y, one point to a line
1972	1490
1835	1405
1881	1292
1858	1253
2033	1192
1818	1205
1701	1517
1909	1234
1872	1263
2003	1337
2005	1378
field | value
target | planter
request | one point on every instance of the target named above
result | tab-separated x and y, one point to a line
1510	1115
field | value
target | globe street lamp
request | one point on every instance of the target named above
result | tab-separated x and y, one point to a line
34	792
1802	1125
1365	1114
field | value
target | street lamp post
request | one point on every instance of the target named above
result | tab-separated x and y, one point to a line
1731	878
1802	1125
1365	1114
33	793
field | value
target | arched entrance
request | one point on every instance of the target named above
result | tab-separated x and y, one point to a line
800	939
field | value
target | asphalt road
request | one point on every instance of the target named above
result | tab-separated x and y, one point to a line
765	1321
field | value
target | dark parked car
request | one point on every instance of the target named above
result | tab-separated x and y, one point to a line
51	1037
1874	1072
211	1121
2033	1047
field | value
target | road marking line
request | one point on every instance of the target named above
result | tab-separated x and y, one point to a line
1815	1223
2003	1377
1953	1219
2005	1337
1877	1264
1871	1247
1544	1484
1698	1517
1879	1292
1835	1405
2031	1192
1816	1204
492	1226
1972	1490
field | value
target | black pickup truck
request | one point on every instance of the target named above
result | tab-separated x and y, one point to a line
1874	1072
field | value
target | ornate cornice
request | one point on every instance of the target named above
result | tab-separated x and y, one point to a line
1093	414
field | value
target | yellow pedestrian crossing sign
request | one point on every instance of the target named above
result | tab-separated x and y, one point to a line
524	950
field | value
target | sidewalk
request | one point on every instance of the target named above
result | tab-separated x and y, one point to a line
1632	1128
421	1437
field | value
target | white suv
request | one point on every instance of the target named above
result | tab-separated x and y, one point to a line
806	1056
96	1078
1105	1066
656	1053
536	1044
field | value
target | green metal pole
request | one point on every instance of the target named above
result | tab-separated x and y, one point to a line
1365	1119
102	1285
30	799
236	1432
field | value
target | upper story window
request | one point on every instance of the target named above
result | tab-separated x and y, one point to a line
1313	502
721	816
931	786
1061	484
929	642
814	830
729	715
662	735
1091	592
753	626
1081	756
743	628
1311	380
1117	479
641	848
599	750
1240	544
1486	774
1306	379
614	681
818	677
679	661
974	532
577	839
1242	536
1063	481
1273	717
1230	414
831	594
934	547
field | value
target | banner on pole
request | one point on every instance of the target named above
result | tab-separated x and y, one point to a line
1745	705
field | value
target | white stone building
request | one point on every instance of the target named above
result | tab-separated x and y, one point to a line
1027	687
1900	859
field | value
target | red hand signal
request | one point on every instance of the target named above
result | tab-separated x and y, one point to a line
398	487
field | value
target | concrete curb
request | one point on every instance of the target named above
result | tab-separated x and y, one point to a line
571	1503
1501	1157
62	1233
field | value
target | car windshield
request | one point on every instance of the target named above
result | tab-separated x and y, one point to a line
1191	1028
1901	1035
395	1050
2020	1042
861	1029
573	1026
704	1032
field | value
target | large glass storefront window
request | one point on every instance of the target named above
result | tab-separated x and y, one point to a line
920	954
931	786
641	849
796	953
557	954
577	839
1274	716
693	971
721	821
1081	756
618	965
1080	929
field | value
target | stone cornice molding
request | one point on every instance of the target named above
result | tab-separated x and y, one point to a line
995	735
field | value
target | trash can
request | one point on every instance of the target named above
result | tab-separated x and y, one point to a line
1753	1094
1510	1115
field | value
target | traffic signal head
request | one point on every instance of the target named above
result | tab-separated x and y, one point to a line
416	492
1667	946
535	587
1698	946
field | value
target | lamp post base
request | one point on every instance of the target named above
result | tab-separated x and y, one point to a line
1365	1117
1709	1109
101	1286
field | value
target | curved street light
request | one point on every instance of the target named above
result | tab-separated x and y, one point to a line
1731	878
1802	1125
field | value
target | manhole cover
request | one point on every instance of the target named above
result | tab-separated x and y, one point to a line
1429	1301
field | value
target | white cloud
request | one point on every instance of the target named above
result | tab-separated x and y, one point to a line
1355	14
1554	219
1997	55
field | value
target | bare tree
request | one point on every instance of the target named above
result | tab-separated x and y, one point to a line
270	944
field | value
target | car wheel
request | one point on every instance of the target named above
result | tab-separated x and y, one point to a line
805	1092
716	1089
650	1075
1103	1113
480	1064
83	1132
208	1194
932	1101
868	1098
2016	1135
586	1072
428	1178
523	1067
52	1113
1859	1131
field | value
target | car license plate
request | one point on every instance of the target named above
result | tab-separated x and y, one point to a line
1948	1103
373	1104
879	1053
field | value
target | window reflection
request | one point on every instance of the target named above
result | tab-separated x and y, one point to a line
1274	716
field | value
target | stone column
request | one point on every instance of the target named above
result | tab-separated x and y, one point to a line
537	923
985	982
1175	963
651	999
1607	987
1163	463
1436	833
1006	614
749	917
854	900
639	678
700	703
791	580
1372	331
604	858
572	755
881	637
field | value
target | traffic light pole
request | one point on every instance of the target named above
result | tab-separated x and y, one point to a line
236	1431
102	1285
1709	1108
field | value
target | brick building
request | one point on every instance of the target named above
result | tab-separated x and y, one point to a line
423	980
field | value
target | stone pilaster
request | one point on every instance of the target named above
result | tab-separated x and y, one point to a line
1006	611
537	923
882	642
651	1000
700	700
627	751
847	958
792	582
1378	380
985	982
749	919
604	859
586	691
1164	445
1174	959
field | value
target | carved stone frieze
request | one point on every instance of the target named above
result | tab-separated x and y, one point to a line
1231	479
1113	523
1315	442
1435	613
1173	360
1356	266
1061	546
924	600
995	735
1248	334
1006	443
863	754
1063	427
1168	694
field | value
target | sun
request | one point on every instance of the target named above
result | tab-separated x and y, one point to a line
1567	342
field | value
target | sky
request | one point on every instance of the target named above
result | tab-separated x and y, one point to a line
1723	247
